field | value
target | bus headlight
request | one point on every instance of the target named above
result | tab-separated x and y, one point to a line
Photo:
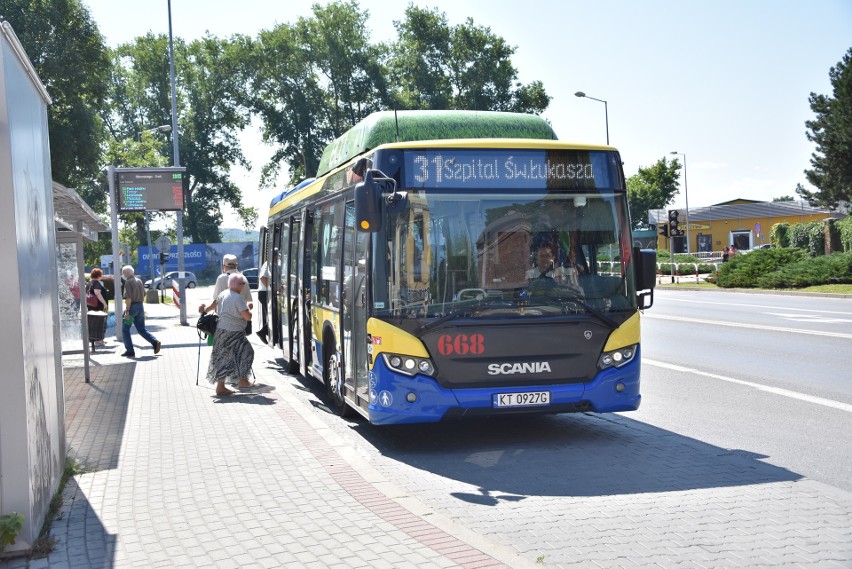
617	358
409	365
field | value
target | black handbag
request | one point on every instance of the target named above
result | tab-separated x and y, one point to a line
207	324
248	328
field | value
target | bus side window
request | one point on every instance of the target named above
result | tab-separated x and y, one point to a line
329	225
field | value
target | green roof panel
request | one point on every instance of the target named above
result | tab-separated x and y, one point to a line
404	126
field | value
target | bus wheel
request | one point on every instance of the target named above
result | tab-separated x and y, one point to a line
335	383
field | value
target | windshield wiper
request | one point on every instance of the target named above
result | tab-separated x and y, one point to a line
460	312
577	300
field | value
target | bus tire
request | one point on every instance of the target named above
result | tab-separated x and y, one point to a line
335	382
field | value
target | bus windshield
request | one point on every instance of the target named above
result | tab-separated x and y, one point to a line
506	253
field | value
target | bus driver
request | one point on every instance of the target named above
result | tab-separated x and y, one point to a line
546	267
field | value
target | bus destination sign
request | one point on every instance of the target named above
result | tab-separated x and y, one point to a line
151	189
452	168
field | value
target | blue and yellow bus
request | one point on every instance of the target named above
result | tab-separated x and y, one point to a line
456	263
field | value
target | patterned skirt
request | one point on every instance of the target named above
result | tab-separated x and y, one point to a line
232	357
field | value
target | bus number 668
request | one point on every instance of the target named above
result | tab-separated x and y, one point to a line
461	344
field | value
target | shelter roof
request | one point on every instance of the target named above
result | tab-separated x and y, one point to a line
71	213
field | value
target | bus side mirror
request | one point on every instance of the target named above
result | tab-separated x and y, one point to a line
645	268
368	200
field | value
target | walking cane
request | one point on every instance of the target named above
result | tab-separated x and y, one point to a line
198	367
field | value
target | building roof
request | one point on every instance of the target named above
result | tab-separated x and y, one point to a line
746	209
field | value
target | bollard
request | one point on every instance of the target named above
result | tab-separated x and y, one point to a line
175	295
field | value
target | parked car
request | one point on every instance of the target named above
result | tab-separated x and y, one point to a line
251	276
166	281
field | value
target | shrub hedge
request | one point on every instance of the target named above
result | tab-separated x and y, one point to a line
745	269
831	269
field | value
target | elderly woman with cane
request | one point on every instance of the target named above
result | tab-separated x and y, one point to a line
232	355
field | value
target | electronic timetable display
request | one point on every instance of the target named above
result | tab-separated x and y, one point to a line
151	189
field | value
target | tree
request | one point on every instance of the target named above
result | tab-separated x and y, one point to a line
783	199
831	130
436	66
652	188
211	111
71	59
311	81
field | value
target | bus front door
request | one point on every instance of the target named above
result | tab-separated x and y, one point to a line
293	286
355	310
302	333
278	269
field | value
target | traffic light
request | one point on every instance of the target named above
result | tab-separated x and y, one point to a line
664	230
674	225
164	257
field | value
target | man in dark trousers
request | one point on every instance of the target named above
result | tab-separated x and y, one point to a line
134	313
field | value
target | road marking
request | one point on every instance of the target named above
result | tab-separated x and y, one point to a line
752	326
810	318
755	305
776	390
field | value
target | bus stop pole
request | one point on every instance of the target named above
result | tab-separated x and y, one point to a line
116	260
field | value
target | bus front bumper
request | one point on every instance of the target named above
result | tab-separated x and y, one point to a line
391	395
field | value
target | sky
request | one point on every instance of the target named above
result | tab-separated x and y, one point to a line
724	83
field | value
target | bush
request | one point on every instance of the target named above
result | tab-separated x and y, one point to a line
845	228
10	526
779	235
808	236
744	269
832	269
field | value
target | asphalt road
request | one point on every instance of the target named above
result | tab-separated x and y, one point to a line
738	456
762	374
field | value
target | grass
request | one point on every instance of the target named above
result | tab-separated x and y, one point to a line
45	543
829	288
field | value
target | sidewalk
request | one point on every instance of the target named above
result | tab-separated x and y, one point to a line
179	478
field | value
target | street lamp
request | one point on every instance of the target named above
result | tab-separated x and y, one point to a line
606	112
161	128
685	195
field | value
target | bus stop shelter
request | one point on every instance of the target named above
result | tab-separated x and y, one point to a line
76	223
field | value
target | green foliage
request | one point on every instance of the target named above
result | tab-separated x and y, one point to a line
830	130
211	105
437	66
10	526
830	269
845	228
808	236
745	269
779	235
69	54
652	188
685	264
310	82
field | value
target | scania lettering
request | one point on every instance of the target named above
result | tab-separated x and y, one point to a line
509	369
405	275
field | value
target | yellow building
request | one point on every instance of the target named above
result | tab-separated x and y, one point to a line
745	224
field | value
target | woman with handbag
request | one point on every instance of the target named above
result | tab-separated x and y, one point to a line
232	355
97	306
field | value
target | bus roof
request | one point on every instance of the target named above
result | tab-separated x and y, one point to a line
403	126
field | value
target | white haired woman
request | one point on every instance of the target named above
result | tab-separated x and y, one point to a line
232	355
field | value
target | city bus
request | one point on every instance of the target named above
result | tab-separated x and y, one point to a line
405	277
